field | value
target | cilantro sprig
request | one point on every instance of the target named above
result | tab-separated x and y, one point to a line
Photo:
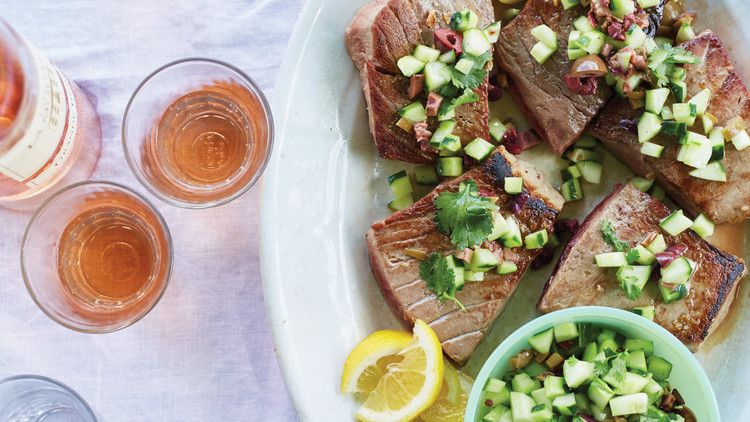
464	215
665	58
475	77
609	235
440	277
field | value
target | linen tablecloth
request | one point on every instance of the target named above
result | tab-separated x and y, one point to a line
205	352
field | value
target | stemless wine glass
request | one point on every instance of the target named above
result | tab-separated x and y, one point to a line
197	133
96	257
32	398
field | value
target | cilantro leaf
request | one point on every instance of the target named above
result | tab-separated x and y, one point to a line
440	277
475	77
464	215
631	287
617	371
609	235
663	61
632	256
601	368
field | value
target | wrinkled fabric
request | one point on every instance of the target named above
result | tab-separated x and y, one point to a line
205	352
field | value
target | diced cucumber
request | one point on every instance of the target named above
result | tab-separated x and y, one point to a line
458	271
541	52
500	227
426	54
498	414
536	240
679	89
717	143
534	369
463	20
629	404
643	255
413	112
483	260
635	37
678	271
703	226
633	278
671	293
450	166
666	113
448	57
636	360
583	25
497	130
425	175
741	140
464	66
600	393
542	412
695	151
641	183
608	344
409	65
494	385
540	397
654	391
400	203
651	149
571	190
685	113
565	404
565	331
685	33
675	223
713	171
450	143
554	387
611	260
645	4
657	245
655	99
576	53
507	267
546	35
523	383
621	8
606	334
572	172
577	155
673	128
512	239
513	185
701	101
436	74
475	42
541	342
632	383
567	4
520	407
492	31
501	397
591	171
400	184
473	275
596	40
577	372
647	312
659	367
444	129
647	346
478	149
590	351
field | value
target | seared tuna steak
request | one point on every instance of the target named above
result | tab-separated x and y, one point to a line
384	31
397	273
723	202
634	215
559	115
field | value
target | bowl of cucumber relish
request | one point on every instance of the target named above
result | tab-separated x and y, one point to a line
595	362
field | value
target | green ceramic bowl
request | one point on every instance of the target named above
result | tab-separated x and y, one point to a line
687	375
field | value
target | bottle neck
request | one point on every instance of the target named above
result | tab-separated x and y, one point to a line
17	89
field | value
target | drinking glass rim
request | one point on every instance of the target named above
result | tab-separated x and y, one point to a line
52	381
161	221
266	109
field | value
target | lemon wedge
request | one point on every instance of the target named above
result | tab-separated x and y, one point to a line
450	404
395	386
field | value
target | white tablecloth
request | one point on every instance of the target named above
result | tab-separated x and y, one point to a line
205	352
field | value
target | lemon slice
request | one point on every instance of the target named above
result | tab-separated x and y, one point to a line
450	404
410	384
369	361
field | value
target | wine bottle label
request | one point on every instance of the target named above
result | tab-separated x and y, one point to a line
47	143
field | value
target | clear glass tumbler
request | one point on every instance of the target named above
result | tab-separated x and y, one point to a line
197	133
32	398
96	257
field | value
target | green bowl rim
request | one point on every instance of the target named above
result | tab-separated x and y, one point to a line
524	331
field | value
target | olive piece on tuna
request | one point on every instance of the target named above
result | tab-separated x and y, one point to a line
591	65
